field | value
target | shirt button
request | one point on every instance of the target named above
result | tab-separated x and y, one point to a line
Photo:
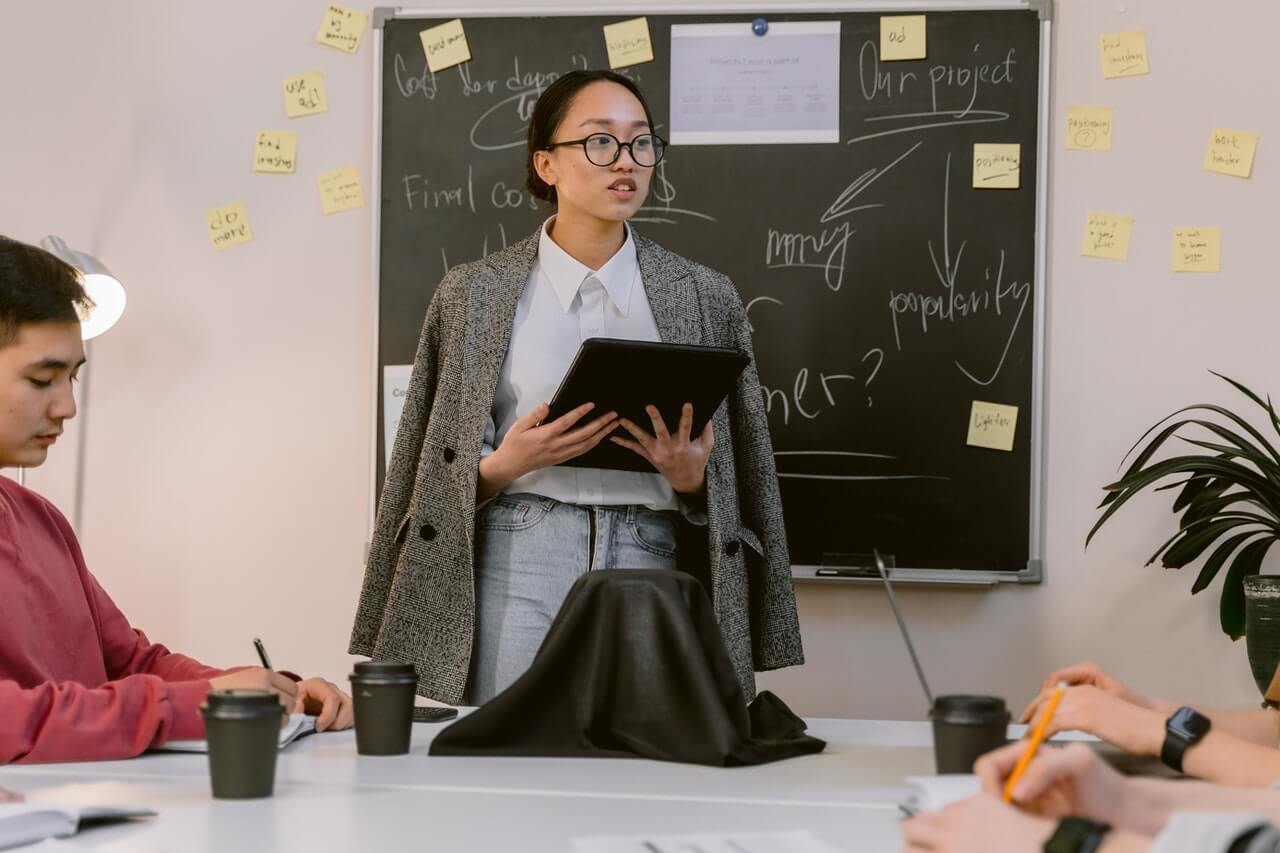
427	532
731	548
449	455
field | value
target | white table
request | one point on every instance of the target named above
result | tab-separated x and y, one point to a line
329	798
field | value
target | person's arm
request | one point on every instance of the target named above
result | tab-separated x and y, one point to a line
121	719
1220	756
1259	725
1224	758
126	651
530	445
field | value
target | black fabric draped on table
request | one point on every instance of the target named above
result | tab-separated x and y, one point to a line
633	665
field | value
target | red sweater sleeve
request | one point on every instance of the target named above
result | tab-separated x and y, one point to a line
121	719
127	651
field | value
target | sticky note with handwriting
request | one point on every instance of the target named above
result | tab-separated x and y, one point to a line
445	45
304	95
1088	128
1106	235
903	37
342	28
996	165
992	425
228	225
340	190
1197	249
1230	152
1124	54
275	151
628	42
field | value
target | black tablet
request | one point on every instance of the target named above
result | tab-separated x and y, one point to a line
625	376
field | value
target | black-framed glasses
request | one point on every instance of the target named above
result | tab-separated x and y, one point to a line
604	149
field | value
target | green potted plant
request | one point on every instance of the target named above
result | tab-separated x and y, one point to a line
1229	500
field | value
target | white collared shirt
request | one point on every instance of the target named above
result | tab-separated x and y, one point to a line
563	303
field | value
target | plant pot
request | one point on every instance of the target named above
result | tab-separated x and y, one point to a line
1262	626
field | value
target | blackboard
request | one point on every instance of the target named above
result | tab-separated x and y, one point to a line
885	293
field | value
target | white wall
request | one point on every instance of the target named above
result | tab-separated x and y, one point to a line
226	466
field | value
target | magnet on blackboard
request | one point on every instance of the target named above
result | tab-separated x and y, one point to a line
760	26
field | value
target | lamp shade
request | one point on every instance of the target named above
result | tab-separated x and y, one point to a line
101	286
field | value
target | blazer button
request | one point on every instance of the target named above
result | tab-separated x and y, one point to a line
449	455
428	532
731	548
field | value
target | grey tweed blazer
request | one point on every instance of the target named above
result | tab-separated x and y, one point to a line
418	600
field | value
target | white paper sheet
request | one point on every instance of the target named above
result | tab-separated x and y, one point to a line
794	841
730	86
395	381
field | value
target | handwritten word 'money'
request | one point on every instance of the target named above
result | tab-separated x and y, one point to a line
943	78
825	251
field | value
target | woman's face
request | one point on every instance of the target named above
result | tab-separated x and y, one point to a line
610	193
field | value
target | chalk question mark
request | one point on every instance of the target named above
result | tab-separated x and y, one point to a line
876	351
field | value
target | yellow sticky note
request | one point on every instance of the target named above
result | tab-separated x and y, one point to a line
996	166
228	225
1231	152
275	151
1197	249
304	95
628	42
340	190
1106	235
991	425
445	45
1124	54
341	28
1088	128
902	37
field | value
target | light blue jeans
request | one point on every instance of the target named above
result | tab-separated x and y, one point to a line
529	550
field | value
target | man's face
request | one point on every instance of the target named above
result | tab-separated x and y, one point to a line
36	372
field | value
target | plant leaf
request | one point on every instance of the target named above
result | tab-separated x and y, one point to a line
1267	406
1191	487
1231	608
1194	542
1211	566
1266	493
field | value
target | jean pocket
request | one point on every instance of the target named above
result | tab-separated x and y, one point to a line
513	512
653	531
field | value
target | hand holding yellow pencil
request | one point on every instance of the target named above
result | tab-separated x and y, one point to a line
1037	738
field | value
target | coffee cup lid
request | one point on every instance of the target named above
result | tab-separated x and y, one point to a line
384	672
242	702
963	708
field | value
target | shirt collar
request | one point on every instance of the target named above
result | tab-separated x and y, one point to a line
567	274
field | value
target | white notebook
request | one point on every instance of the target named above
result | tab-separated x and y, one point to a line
930	793
23	823
298	725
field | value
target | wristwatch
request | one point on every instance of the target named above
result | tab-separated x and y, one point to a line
1076	835
1181	732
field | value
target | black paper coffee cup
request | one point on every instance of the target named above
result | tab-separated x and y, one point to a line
242	728
966	727
382	698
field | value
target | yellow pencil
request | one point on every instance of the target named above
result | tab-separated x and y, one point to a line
1037	738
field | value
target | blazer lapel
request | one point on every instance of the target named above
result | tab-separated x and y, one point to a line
672	297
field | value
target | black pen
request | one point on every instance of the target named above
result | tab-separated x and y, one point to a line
262	653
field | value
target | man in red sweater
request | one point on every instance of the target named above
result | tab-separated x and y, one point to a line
77	682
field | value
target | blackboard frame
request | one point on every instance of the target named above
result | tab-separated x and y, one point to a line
1034	571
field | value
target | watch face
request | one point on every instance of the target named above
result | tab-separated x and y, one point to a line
1189	722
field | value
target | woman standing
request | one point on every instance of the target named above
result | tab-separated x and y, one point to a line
480	532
